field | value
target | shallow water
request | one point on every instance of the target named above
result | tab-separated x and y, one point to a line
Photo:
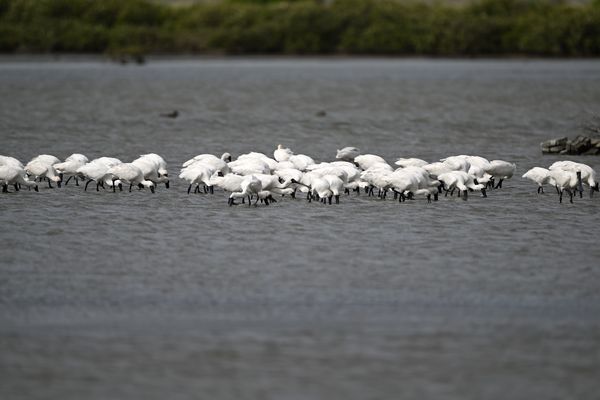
134	295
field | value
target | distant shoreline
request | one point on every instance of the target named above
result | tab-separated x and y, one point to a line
94	57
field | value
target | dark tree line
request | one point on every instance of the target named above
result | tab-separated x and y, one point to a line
375	27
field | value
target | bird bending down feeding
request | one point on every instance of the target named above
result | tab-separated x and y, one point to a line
198	174
153	167
250	186
41	167
13	175
588	175
501	170
70	166
97	171
129	173
568	181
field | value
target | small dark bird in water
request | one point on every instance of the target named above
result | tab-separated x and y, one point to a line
321	113
172	114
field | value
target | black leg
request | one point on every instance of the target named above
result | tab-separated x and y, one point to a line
68	179
570	196
86	185
189	188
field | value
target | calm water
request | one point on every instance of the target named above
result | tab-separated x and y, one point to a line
176	296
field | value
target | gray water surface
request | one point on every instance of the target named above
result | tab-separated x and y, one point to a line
168	295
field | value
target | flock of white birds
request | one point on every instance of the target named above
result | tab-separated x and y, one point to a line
258	177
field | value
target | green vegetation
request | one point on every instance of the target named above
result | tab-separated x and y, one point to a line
379	27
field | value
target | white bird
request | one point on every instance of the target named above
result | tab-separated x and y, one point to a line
479	174
249	166
161	164
541	176
502	170
41	167
301	161
97	171
70	166
366	161
462	181
378	176
347	154
436	169
282	154
566	180
416	181
320	188
198	174
410	162
272	163
353	180
456	163
153	169
336	186
285	165
14	175
213	161
588	175
250	186
229	182
273	183
404	183
129	173
11	162
46	159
